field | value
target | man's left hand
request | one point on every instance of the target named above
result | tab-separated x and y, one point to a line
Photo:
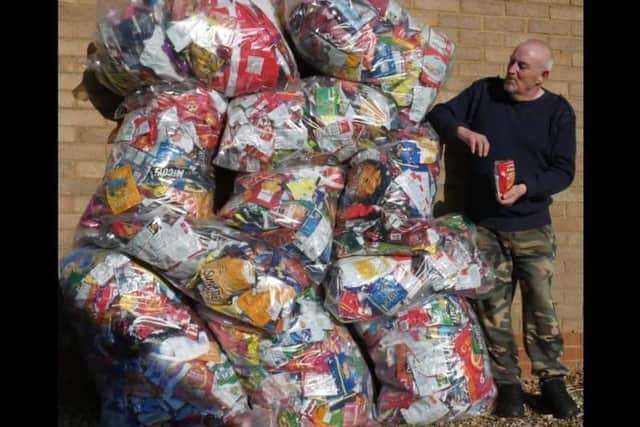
510	197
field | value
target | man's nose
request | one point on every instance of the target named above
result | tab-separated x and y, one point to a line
512	68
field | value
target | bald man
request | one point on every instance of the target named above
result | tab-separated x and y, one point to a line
516	118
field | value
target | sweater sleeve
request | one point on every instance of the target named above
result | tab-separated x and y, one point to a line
561	168
458	111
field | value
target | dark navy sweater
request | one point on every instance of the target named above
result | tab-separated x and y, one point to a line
539	135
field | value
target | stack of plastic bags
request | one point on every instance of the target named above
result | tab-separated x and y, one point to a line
292	209
159	164
432	363
153	361
372	41
233	46
310	375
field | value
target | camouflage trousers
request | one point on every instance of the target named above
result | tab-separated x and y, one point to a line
525	257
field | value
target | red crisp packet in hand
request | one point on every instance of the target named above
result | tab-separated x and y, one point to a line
505	174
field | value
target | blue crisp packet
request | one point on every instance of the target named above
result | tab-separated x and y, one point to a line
384	294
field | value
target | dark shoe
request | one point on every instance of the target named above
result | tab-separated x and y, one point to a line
556	398
510	401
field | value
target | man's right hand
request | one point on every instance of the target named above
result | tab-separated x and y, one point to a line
477	142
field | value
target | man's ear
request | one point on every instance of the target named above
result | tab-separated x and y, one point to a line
545	74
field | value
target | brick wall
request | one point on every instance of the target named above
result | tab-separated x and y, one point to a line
485	32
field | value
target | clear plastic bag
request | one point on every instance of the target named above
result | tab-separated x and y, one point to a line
293	209
160	164
312	374
372	41
432	362
326	121
264	130
233	46
344	116
457	265
154	361
390	189
445	260
227	270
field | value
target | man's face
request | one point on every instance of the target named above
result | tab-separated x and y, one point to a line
526	71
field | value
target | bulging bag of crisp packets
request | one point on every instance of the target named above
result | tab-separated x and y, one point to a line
264	130
226	270
432	362
160	164
372	41
290	208
343	117
448	260
311	374
233	46
324	121
390	188
153	360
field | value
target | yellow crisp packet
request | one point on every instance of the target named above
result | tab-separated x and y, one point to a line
122	192
256	307
366	269
428	150
224	277
319	415
212	355
302	187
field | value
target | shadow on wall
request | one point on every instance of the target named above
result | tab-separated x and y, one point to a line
457	161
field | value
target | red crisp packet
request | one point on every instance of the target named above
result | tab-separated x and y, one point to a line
505	175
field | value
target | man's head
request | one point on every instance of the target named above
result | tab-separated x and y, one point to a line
528	68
